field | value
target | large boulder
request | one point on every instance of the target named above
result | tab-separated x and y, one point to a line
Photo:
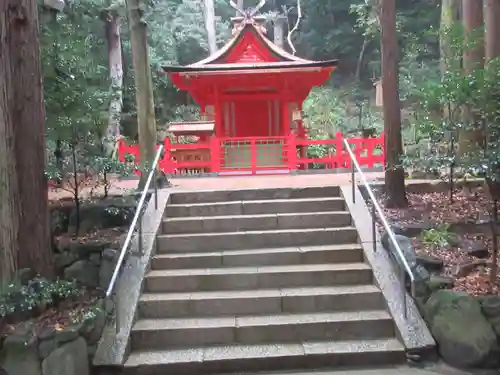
69	359
405	244
59	216
83	271
491	310
108	264
19	354
464	336
103	214
94	323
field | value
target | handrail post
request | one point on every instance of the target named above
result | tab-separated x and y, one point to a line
404	268
353	184
136	221
403	287
374	229
140	236
117	315
155	186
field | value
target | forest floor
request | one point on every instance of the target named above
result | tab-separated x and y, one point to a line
457	232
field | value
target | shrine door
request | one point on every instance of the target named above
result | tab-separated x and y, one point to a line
254	126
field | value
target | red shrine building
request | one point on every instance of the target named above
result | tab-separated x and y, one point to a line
250	93
251	87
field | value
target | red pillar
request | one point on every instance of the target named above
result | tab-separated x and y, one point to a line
285	115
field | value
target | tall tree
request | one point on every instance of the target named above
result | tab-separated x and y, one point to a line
473	58
146	120
492	23
112	25
24	229
394	173
210	25
449	16
472	18
492	46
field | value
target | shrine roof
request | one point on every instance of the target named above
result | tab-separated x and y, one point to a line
249	49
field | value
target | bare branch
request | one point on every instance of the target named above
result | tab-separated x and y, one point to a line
299	17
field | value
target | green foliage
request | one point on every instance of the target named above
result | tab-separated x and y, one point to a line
19	300
415	71
75	71
438	135
438	237
328	111
77	87
87	315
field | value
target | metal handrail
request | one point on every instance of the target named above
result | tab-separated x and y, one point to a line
136	220
377	210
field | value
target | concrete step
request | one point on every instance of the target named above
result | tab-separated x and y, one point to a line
348	253
255	207
254	194
269	357
151	334
261	301
209	242
394	369
269	277
237	223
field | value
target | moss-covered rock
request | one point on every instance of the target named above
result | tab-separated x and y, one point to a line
491	309
19	354
464	336
103	214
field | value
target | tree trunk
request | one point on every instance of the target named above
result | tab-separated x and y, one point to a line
361	57
472	18
279	24
492	46
472	13
394	174
449	16
9	192
115	64
24	230
210	25
143	87
492	21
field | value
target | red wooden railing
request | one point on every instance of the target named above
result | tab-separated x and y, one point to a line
255	155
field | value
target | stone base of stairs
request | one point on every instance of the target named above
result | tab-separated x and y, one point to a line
260	280
307	355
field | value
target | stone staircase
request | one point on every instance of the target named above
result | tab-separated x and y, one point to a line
254	280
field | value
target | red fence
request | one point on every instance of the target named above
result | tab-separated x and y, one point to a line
260	155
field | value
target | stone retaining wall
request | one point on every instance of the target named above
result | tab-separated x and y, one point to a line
53	351
37	348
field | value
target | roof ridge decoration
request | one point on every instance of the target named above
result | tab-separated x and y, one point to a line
249	13
250	23
240	26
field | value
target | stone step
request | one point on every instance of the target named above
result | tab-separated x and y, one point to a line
254	194
270	357
348	253
151	334
255	207
208	242
269	277
261	301
238	223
